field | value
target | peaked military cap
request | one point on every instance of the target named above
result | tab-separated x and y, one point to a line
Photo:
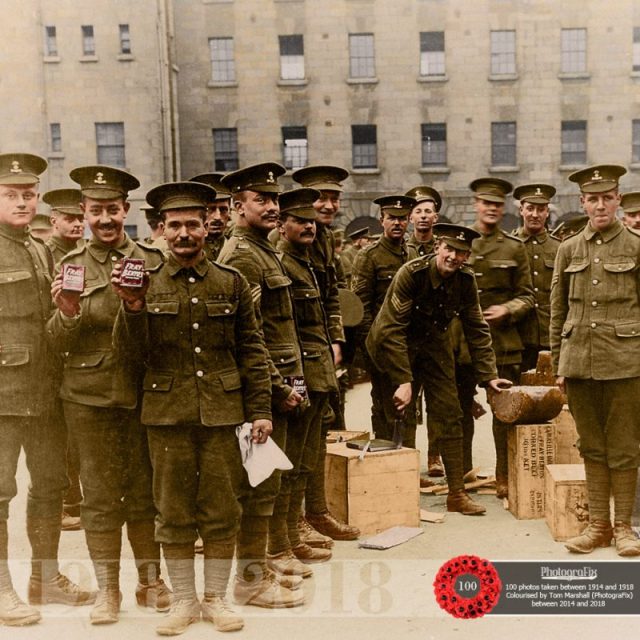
262	178
180	195
21	168
65	201
537	193
213	180
358	233
150	213
491	189
41	221
321	177
630	202
397	206
455	235
424	193
599	178
570	227
104	183
299	203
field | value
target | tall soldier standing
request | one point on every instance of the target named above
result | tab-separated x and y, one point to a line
100	394
67	220
28	386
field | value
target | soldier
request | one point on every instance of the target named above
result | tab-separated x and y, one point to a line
255	192
67	221
99	394
541	251
327	268
595	345
192	404
218	213
359	239
373	271
28	386
41	227
506	294
630	203
423	216
409	341
156	239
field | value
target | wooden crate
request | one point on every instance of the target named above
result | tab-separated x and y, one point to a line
566	504
343	435
530	448
378	492
566	438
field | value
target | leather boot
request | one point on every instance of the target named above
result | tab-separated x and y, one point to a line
502	487
266	592
327	524
623	487
104	550
309	555
286	564
627	543
434	466
308	535
151	591
46	584
185	607
597	534
461	502
13	611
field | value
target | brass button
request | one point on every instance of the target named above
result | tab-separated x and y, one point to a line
536	289
199	373
593	325
154	385
114	258
595	281
194	300
536	257
156	309
192	279
198	350
596	260
535	273
195	325
598	241
227	310
26	243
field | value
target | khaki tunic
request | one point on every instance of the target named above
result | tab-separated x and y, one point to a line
502	272
212	248
93	373
59	247
415	249
541	251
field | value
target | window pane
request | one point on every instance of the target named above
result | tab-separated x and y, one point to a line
361	56
110	143
364	146
574	142
291	57
503	144
88	41
295	147
291	45
432	53
125	39
636	49
635	141
574	50
223	68
51	43
56	136
225	149
503	52
434	144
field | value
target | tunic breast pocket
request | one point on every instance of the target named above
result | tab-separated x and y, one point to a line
384	277
307	301
275	301
577	278
163	322
221	316
18	296
499	274
621	280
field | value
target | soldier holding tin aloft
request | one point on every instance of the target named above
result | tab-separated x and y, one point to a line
100	393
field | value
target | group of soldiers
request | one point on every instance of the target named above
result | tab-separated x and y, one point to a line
163	366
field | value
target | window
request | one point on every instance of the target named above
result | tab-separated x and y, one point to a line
636	48
364	146
503	144
434	145
361	56
50	41
574	51
503	53
635	141
125	39
223	66
574	142
432	53
56	136
110	143
88	41
294	145
291	57
225	149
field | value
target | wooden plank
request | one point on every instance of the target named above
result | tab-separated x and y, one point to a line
566	502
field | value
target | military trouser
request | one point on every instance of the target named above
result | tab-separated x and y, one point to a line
530	356
197	473
115	469
384	413
501	429
44	441
466	385
606	414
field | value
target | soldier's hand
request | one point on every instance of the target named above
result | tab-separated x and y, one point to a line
291	402
132	297
67	301
261	430
402	396
561	384
496	314
498	384
337	353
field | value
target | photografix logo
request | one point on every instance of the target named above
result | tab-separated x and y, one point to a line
570	573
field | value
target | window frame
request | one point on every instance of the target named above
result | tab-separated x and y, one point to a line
111	153
366	147
573	50
573	151
503	52
432	60
292	65
362	56
223	67
88	40
50	41
124	34
291	152
225	151
499	147
431	147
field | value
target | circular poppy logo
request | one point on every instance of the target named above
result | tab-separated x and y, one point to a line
467	587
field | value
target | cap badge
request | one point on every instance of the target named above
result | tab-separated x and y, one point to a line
15	167
100	178
398	204
460	236
596	175
270	178
538	192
